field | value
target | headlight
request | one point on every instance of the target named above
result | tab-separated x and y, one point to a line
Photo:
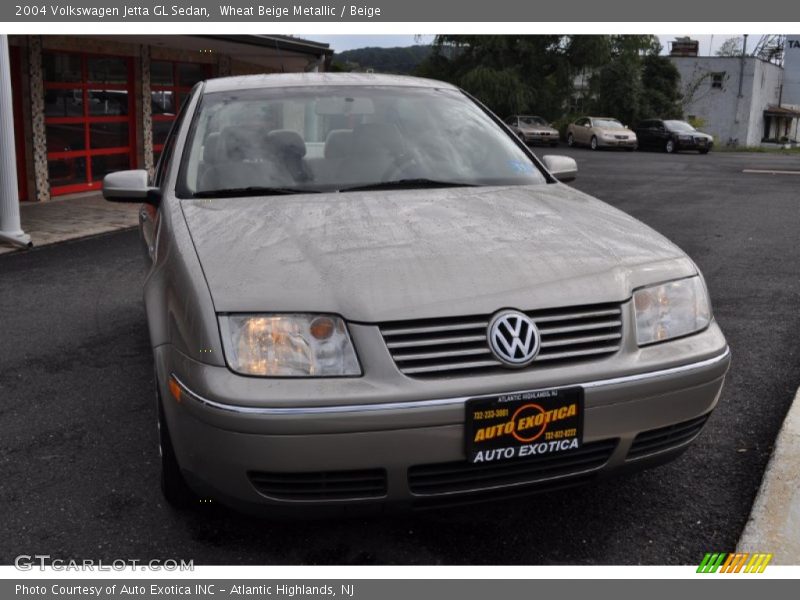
671	310
288	345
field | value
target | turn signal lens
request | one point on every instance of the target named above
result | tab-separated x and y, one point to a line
175	389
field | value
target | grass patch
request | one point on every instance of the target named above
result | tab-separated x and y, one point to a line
757	149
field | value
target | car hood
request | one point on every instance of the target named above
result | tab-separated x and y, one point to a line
377	256
613	131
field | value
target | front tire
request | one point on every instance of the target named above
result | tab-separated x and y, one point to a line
593	143
570	140
173	485
705	150
669	147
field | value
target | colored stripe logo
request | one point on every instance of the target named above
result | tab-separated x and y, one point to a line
734	562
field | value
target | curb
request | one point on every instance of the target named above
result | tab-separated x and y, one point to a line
11	251
774	523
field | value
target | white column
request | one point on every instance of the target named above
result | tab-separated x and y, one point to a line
10	228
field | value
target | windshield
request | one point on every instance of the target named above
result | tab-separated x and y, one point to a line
607	123
535	121
678	126
328	138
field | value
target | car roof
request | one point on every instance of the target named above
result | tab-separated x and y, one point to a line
606	118
275	80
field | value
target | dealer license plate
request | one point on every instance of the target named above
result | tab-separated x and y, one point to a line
521	425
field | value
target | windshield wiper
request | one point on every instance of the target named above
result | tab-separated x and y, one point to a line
407	183
250	191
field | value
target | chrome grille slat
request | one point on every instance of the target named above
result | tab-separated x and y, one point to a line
441	354
435	342
543	331
579	315
452	367
577	353
458	346
436	328
580	340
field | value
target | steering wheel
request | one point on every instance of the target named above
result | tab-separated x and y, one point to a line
400	167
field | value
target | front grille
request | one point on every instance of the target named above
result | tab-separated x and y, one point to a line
325	485
461	477
665	438
458	345
621	137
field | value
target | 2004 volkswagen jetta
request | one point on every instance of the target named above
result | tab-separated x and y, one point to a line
366	291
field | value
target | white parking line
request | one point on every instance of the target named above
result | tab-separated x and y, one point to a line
770	172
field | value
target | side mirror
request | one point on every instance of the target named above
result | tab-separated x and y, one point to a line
130	186
562	168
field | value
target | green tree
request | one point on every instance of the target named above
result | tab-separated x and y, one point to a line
661	95
730	47
617	90
500	89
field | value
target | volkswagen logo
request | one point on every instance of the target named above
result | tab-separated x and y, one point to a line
513	338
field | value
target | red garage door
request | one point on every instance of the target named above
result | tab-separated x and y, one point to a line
89	118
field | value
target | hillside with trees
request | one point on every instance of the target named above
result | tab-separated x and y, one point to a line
399	61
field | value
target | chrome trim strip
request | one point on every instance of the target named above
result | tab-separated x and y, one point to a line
312	410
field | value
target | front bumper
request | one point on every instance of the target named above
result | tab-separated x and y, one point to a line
360	442
607	143
541	138
695	144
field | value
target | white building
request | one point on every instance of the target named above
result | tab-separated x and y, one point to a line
743	100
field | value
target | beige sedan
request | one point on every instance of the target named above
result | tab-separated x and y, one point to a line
601	132
414	312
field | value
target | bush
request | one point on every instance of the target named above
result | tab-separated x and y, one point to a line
562	123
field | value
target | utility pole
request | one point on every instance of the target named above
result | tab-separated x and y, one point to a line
10	227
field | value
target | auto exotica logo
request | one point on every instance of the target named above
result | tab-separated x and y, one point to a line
734	562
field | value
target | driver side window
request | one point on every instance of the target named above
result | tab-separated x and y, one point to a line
165	160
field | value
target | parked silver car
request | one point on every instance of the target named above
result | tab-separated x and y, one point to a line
533	130
364	291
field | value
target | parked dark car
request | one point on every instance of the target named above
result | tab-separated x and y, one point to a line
671	136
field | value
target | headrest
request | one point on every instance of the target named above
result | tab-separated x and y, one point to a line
338	143
245	142
288	141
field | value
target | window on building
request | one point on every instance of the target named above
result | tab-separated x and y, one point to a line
89	119
170	84
717	79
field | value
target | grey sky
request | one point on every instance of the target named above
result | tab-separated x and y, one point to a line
340	43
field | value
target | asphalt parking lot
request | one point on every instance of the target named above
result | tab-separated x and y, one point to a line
78	449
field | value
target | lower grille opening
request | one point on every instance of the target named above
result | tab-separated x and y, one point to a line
665	438
323	485
456	477
510	493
